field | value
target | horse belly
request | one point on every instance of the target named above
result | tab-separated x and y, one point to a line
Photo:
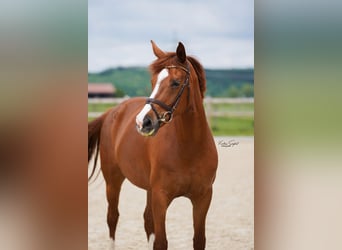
136	173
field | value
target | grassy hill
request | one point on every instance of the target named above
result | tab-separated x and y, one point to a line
135	81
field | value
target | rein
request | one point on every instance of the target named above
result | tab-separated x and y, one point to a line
167	116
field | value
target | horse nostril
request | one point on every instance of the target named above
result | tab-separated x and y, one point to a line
147	122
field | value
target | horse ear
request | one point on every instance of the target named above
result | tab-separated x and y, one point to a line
158	52
181	52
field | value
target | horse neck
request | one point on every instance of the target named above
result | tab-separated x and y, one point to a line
192	124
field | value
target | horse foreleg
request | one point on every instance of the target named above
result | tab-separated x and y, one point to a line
200	208
148	218
160	203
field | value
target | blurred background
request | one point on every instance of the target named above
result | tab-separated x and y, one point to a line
298	146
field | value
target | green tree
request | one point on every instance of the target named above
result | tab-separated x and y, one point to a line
233	91
247	90
119	93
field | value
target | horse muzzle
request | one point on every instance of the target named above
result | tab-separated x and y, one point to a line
148	127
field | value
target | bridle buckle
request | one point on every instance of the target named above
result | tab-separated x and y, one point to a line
166	117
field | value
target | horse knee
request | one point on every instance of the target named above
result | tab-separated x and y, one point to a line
160	244
114	211
113	215
146	215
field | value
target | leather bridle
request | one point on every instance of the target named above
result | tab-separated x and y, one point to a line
167	116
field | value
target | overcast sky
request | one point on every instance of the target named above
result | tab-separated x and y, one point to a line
220	33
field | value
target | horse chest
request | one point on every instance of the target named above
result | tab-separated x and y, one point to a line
183	176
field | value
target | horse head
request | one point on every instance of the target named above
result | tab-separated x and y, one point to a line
171	88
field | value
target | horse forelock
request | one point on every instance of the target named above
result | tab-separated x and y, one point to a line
171	59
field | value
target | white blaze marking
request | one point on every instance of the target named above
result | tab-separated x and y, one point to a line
140	117
150	241
161	76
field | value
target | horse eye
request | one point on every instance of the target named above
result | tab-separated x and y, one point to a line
175	84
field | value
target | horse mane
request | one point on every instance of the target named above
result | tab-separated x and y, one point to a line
200	74
171	58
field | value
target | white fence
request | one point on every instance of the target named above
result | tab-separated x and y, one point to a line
208	102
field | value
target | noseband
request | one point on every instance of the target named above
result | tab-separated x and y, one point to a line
167	116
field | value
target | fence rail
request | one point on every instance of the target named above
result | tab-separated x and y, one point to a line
208	102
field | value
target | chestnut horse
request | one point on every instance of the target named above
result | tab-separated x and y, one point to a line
162	144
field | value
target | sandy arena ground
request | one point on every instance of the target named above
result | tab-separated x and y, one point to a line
230	220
